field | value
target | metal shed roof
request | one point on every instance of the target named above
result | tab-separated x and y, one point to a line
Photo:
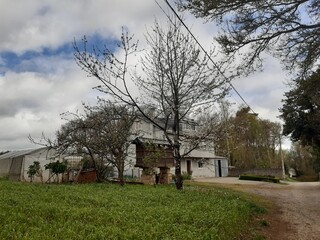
18	153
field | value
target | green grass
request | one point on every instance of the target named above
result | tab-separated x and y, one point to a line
109	211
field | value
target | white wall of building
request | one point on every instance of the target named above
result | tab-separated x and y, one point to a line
200	168
44	157
130	170
206	170
4	167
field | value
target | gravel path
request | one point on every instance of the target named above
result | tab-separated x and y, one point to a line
298	206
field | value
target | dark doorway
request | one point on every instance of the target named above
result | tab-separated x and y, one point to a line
189	171
219	168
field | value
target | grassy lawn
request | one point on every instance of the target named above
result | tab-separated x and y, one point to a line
108	211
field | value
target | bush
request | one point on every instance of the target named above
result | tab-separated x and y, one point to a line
308	178
33	170
259	178
186	176
4	178
57	167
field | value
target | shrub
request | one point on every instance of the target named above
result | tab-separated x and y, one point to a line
56	168
307	178
260	178
33	170
186	176
4	178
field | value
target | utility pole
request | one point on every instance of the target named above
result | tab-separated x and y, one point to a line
282	161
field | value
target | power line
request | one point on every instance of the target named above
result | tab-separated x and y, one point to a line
202	48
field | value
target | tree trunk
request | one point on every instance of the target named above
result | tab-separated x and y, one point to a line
176	147
179	180
120	172
94	165
121	178
177	160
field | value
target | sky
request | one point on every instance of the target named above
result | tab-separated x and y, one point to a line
39	78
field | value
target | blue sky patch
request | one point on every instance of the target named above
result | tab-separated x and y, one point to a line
24	62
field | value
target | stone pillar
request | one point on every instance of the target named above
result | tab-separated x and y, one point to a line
165	175
147	176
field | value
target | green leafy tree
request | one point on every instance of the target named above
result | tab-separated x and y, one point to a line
301	112
302	159
57	168
287	29
34	169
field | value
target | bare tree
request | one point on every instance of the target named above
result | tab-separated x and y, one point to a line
103	133
113	135
178	80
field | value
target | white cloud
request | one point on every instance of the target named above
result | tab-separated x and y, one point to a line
35	91
264	90
31	103
36	24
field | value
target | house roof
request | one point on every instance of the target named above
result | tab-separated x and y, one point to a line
19	153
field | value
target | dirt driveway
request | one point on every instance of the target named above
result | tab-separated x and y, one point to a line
296	214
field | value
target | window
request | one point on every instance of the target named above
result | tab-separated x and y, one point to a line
200	164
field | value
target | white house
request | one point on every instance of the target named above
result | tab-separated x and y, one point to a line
205	164
199	163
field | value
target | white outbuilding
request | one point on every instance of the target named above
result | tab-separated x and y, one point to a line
15	164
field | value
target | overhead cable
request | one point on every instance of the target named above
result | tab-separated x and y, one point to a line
202	48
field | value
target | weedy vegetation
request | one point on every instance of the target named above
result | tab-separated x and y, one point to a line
109	211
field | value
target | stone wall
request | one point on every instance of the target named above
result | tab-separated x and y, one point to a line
236	172
147	179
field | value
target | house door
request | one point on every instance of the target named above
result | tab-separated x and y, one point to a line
189	171
218	168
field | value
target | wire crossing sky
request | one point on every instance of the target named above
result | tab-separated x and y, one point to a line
206	53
